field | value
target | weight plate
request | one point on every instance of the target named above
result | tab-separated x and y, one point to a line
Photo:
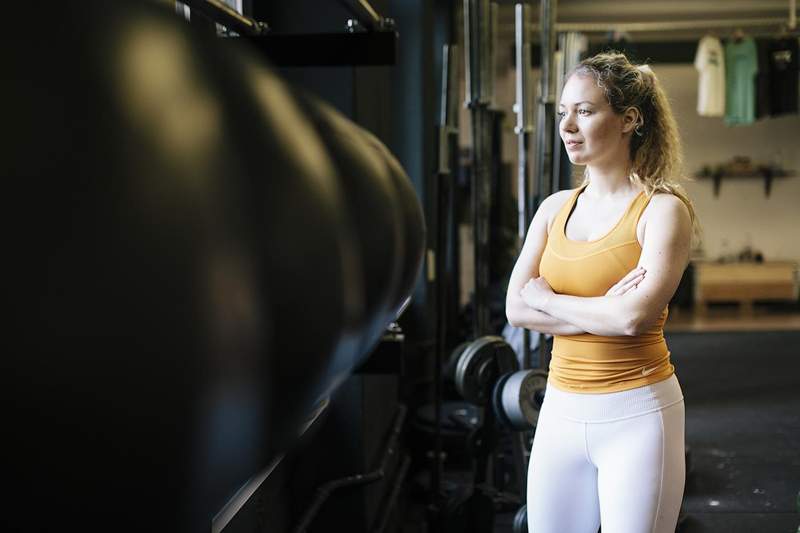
520	524
521	398
497	400
480	364
449	371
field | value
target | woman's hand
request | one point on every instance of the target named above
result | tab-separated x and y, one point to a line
536	292
627	283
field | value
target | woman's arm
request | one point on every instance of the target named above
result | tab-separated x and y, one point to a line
665	254
518	313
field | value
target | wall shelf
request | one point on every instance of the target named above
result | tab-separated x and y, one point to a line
767	173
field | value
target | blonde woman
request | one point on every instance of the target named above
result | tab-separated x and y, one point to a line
597	270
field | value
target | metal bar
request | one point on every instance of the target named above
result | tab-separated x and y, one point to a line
546	101
222	13
442	195
491	48
482	42
481	202
523	130
329	49
476	29
468	53
242	496
545	122
390	503
518	453
364	13
666	26
324	492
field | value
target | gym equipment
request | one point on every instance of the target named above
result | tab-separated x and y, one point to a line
524	110
413	226
517	398
520	523
222	13
547	133
470	511
479	46
366	16
370	192
487	372
449	371
480	365
186	280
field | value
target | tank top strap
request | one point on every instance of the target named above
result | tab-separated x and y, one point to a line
561	217
628	226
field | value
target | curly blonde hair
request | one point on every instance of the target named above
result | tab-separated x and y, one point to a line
655	150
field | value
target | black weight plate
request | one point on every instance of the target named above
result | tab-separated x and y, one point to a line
478	353
449	370
479	366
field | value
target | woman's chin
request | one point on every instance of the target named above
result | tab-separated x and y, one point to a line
576	159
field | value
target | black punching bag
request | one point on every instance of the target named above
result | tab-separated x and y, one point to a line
179	268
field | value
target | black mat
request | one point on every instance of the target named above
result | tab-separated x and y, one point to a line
742	393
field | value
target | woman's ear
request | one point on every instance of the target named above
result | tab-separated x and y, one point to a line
631	119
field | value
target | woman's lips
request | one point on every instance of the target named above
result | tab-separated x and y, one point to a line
573	145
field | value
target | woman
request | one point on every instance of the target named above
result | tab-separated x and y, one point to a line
597	270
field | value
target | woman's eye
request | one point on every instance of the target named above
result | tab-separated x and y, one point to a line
561	114
583	111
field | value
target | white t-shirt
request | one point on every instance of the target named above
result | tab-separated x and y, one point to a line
710	63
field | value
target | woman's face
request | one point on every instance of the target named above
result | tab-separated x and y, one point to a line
592	132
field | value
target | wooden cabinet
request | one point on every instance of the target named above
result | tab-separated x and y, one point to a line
744	283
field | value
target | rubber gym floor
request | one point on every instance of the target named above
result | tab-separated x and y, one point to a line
742	393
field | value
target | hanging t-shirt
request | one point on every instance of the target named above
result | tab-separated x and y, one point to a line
741	66
783	81
710	63
763	104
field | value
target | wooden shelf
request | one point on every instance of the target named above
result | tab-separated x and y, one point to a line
766	173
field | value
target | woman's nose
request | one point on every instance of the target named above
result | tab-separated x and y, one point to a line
567	123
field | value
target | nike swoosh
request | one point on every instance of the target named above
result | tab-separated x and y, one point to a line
648	371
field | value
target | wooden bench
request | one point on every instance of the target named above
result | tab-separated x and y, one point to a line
743	283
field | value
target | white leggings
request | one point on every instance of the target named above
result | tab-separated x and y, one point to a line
616	459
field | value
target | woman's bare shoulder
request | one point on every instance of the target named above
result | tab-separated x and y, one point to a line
553	204
556	201
667	212
665	204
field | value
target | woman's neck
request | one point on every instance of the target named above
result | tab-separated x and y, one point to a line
610	181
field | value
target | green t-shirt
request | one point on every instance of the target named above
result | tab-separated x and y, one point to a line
741	66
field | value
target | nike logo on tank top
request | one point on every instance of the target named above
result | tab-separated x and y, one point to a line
595	363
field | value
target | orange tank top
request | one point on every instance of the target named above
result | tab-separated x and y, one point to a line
594	363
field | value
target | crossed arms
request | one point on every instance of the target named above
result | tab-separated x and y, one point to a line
627	308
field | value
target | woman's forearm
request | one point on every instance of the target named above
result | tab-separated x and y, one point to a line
601	315
519	314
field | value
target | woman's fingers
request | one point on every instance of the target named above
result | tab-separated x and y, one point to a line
631	284
629	281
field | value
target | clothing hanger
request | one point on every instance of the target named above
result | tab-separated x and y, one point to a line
738	35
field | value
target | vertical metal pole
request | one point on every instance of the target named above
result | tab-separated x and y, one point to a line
523	129
444	184
477	15
545	123
546	100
